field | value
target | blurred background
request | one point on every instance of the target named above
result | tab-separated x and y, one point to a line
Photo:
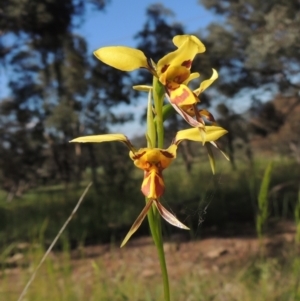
52	89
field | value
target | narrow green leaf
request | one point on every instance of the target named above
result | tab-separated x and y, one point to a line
264	190
262	214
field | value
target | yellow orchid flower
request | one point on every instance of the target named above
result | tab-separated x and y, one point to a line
188	111
173	70
153	161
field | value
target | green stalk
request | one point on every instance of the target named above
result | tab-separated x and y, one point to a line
155	229
158	96
154	218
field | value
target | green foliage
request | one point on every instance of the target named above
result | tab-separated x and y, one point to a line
201	200
297	218
252	43
262	213
48	103
255	44
65	277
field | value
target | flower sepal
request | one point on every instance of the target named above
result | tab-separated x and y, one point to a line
122	58
165	214
104	138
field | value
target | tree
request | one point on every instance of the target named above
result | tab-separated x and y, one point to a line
255	48
56	91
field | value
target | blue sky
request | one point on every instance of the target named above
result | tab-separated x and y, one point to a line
119	23
122	19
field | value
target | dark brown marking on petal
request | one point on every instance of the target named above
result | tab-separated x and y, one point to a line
167	154
172	85
138	156
187	64
164	68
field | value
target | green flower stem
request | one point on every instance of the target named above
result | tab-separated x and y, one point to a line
151	130
154	218
158	96
155	229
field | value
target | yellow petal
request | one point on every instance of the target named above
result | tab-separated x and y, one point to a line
172	150
180	39
191	77
122	58
212	133
206	83
167	156
182	95
174	75
101	138
188	47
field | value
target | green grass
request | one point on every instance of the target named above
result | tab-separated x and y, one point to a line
65	280
227	198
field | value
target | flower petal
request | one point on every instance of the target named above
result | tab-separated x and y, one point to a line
101	138
105	138
180	39
182	95
122	58
206	83
211	158
188	47
191	77
216	146
212	133
153	185
172	150
137	222
189	119
168	216
209	116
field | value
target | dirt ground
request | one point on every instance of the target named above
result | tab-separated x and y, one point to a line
210	254
205	255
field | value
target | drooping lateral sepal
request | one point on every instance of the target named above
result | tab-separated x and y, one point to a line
137	222
168	216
